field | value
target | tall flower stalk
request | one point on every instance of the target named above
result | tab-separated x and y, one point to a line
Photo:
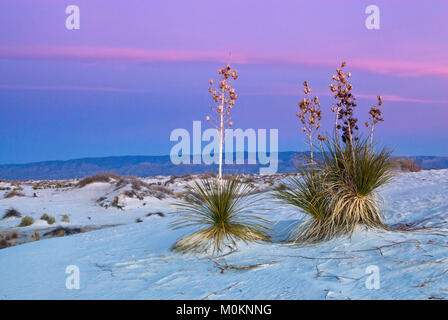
344	106
224	97
309	114
374	117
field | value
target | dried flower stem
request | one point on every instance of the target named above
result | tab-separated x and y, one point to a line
310	115
375	117
224	97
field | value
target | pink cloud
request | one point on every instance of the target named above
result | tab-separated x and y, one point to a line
283	89
387	67
65	88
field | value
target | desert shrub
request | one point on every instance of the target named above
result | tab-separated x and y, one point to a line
12	213
100	199
49	219
99	177
3	244
223	212
116	203
141	189
35	236
26	221
11	235
65	218
406	165
13	193
208	175
61	231
160	192
158	213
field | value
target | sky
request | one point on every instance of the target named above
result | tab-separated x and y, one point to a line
136	70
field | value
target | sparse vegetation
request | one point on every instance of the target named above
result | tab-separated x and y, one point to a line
35	236
13	193
222	211
65	218
99	177
160	214
12	213
12	235
26	221
406	165
3	244
49	219
61	231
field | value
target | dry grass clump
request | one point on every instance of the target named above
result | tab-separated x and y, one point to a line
12	213
99	177
61	232
223	212
12	235
65	218
49	219
3	244
406	165
26	221
141	189
35	236
13	193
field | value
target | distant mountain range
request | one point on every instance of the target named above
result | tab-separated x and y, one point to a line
144	166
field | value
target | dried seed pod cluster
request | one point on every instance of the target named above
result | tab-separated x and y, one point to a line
345	104
309	114
223	95
375	116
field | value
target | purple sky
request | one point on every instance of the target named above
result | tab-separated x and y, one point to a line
134	72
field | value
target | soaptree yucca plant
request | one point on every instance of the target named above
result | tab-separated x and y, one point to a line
221	208
223	211
341	191
307	190
353	175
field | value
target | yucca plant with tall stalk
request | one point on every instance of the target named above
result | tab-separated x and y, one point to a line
221	208
224	97
341	192
224	212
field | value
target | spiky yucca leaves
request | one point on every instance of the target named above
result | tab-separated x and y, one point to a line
341	193
352	179
224	212
308	193
305	192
